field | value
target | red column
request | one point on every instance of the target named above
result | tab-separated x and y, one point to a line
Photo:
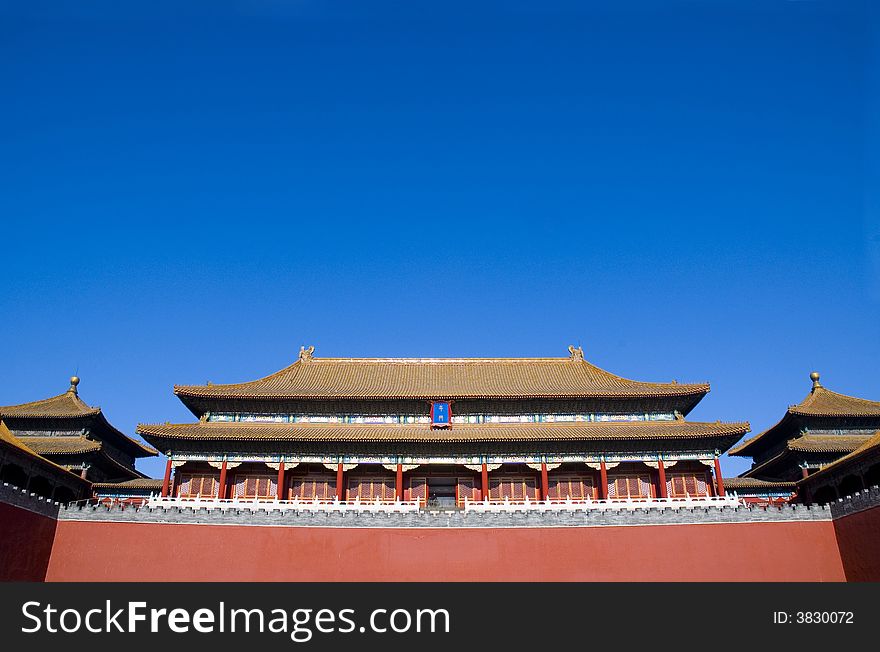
84	472
719	482
545	482
484	488
661	472
340	489
804	472
167	477
603	481
398	482
221	492
280	489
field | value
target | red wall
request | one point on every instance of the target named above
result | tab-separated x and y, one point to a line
25	544
858	537
781	551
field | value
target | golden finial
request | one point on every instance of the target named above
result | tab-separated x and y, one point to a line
814	376
74	381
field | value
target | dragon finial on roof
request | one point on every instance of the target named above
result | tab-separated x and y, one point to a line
305	354
577	353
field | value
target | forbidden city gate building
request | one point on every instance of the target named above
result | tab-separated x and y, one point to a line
442	432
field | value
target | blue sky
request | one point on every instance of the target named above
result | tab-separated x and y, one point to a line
687	189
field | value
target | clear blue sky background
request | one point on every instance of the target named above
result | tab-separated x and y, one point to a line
687	189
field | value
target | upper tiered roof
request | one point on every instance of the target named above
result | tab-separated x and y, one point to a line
819	403
440	378
64	406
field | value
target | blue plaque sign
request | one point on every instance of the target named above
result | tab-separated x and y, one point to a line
441	414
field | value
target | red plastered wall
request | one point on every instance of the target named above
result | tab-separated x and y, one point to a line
25	544
858	537
781	551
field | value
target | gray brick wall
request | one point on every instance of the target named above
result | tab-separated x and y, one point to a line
857	502
450	519
12	495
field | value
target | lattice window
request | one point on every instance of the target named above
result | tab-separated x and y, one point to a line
418	489
575	487
629	486
679	485
368	488
467	488
309	487
255	486
193	485
514	488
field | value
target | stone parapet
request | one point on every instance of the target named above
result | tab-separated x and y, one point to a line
17	497
446	519
857	502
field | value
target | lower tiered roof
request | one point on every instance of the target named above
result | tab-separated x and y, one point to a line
167	436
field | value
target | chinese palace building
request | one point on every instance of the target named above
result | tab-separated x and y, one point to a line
442	432
72	435
815	433
494	469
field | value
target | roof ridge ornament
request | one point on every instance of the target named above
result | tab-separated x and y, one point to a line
814	376
74	381
577	353
306	354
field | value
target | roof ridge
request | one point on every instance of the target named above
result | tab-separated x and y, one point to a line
426	426
820	392
295	381
85	408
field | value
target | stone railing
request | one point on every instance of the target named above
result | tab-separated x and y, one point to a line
506	505
296	504
689	502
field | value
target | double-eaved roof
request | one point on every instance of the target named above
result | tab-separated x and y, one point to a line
820	404
69	407
377	379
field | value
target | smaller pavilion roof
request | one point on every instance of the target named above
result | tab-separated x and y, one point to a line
10	440
871	445
754	484
826	443
820	402
70	406
61	445
64	406
136	483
